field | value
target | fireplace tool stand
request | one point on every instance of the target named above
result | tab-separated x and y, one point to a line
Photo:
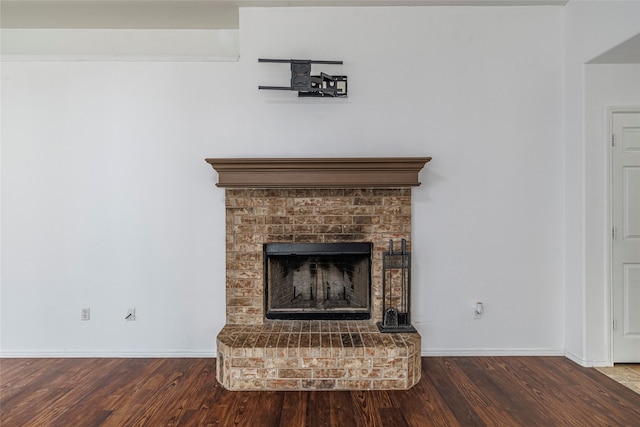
396	291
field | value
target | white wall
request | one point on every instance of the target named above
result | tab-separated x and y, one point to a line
591	28
107	202
451	85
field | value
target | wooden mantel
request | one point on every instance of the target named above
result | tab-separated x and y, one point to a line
346	172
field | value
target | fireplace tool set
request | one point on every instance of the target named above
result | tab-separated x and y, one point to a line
396	290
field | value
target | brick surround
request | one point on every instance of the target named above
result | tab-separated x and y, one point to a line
257	216
256	354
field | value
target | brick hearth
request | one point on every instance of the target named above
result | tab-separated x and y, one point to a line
254	354
316	355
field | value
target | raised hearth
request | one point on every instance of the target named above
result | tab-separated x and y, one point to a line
316	355
276	201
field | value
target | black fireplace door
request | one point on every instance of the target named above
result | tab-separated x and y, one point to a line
323	281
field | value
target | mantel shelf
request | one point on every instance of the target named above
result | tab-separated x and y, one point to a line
349	172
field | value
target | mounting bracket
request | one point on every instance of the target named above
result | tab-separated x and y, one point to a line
307	85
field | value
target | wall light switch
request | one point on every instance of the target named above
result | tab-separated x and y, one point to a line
479	310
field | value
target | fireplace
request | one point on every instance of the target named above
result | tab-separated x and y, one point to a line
318	281
320	227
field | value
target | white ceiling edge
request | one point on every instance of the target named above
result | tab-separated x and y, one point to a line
329	3
627	52
117	58
336	3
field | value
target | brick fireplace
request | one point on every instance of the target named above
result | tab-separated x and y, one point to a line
274	201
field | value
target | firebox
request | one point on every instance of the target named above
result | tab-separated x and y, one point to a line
318	281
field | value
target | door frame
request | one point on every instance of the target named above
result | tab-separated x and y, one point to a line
609	308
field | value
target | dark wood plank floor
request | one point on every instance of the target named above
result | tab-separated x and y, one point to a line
454	391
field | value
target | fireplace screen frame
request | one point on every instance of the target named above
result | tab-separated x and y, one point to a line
357	250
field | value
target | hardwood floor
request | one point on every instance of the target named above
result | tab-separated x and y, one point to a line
454	391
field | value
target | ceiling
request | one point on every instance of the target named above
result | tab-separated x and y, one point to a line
627	52
183	14
116	14
298	3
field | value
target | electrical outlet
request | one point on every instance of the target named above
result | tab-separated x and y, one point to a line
85	314
131	315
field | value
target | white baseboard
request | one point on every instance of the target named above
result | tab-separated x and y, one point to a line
468	352
587	363
444	352
107	353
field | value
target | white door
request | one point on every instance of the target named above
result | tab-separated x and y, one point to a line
625	211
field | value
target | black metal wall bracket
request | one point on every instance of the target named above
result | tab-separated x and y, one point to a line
323	85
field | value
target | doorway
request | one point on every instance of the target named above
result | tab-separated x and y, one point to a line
625	234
